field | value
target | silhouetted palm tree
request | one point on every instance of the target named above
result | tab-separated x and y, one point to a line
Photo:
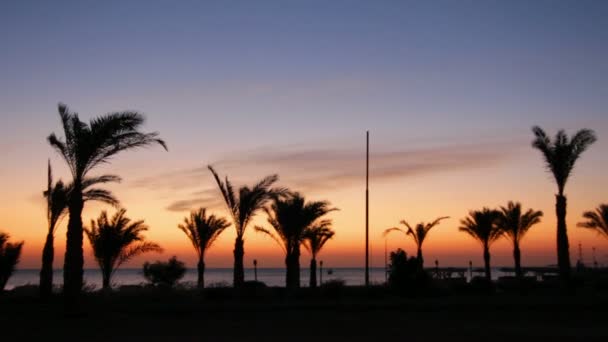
84	147
243	207
202	232
515	225
315	239
597	220
57	196
482	226
57	204
560	156
418	233
9	258
290	218
117	240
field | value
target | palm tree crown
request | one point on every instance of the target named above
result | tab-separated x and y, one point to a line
515	224
292	217
482	226
87	146
117	240
597	220
203	230
316	237
562	153
57	201
249	201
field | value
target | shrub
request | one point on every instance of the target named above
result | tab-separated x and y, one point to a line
9	258
164	273
404	273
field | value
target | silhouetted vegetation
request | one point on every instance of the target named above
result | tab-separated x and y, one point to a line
314	240
116	241
10	252
202	230
515	224
597	220
419	234
560	156
291	217
56	196
162	273
243	207
84	147
404	274
482	226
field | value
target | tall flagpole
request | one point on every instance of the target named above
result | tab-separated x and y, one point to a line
367	211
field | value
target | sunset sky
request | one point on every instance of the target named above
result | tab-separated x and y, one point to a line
448	90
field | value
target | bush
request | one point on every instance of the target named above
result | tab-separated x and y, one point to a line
405	274
164	273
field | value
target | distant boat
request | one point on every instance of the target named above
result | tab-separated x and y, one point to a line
330	271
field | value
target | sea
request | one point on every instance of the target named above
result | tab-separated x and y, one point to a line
217	277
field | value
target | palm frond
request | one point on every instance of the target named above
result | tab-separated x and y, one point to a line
596	220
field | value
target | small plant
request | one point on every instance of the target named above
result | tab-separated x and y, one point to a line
164	273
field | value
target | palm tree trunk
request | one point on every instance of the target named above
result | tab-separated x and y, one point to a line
420	259
106	281
486	260
239	254
517	258
46	273
292	262
563	248
74	260
296	267
106	274
201	273
313	272
288	271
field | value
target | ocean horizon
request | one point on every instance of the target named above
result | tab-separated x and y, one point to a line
219	277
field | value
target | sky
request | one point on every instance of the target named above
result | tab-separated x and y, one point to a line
449	91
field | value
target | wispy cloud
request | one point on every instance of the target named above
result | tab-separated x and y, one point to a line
319	170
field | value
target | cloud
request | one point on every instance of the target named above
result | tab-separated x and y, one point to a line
312	170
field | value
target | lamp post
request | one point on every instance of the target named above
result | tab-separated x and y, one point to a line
385	261
320	272
367	210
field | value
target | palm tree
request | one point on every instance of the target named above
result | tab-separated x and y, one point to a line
84	147
418	233
57	204
597	220
202	232
9	258
243	208
291	217
515	224
117	240
481	225
57	196
560	156
315	239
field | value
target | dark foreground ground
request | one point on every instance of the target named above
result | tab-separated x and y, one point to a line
341	315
